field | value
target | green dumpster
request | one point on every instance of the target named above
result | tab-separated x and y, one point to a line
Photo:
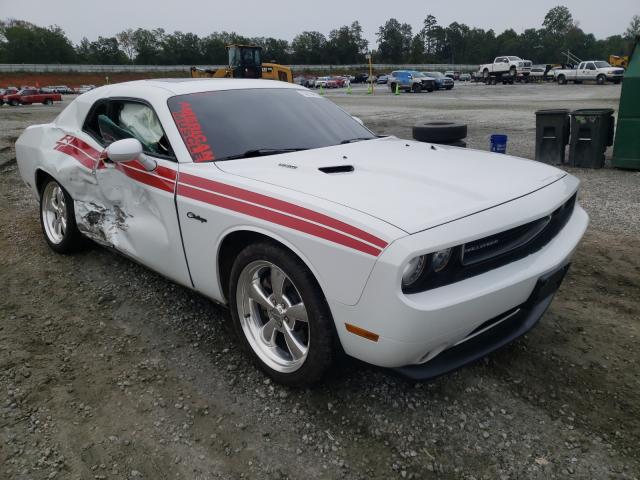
626	149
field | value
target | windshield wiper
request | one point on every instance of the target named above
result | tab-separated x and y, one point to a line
260	152
357	139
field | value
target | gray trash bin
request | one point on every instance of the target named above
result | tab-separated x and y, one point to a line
591	134
552	135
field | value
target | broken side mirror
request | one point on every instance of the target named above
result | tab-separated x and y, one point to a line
128	150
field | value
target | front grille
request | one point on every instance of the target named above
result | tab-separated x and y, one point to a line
521	240
488	253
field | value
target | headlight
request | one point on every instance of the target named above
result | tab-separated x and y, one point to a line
413	271
427	269
440	259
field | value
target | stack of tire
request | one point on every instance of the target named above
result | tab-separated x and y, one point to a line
442	133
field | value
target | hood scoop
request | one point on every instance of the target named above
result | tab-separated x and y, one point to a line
337	169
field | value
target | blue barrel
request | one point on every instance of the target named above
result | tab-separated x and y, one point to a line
499	143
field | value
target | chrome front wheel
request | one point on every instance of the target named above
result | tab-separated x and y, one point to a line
273	316
55	217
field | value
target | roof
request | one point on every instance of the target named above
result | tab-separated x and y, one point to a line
181	86
158	90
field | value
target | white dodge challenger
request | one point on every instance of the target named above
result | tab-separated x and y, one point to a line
320	236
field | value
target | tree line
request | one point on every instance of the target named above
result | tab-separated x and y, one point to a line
397	43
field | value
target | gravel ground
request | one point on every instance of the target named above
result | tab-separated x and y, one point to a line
109	371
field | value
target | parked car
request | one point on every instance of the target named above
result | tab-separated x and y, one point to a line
7	91
339	81
506	66
404	80
360	78
592	70
382	79
465	77
63	89
441	82
85	88
428	83
260	216
325	82
29	96
452	74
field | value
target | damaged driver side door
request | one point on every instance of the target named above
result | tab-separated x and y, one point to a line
134	208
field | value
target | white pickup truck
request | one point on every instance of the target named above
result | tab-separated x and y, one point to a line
591	70
507	65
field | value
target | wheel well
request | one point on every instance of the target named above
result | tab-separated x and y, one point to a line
41	176
232	245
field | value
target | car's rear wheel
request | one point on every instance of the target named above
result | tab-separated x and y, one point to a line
48	101
57	218
601	79
562	80
280	314
13	103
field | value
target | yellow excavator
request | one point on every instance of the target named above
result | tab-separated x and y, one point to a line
245	61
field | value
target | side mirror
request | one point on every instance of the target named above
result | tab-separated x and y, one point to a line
359	120
128	150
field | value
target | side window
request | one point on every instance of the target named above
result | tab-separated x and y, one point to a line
591	66
112	120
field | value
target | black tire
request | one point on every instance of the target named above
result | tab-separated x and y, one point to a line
562	80
439	132
392	87
601	79
513	72
48	101
13	103
416	88
449	87
429	90
323	344
616	81
72	240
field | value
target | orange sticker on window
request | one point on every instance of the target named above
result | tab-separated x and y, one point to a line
191	132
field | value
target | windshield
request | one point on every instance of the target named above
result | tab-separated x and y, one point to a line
417	74
514	58
434	74
219	125
602	64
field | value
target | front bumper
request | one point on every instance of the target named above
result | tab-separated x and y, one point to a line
499	332
416	328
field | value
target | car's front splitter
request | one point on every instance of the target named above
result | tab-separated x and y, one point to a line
510	325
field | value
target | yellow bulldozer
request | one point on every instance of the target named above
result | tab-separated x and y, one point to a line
245	61
619	61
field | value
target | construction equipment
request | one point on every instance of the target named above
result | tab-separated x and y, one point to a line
619	61
245	61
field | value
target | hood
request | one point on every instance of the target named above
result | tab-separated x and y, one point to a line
408	184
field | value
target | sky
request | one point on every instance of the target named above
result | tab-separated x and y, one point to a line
285	19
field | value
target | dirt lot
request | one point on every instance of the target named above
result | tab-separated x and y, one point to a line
109	371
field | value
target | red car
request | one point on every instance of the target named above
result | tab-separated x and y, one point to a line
27	96
340	81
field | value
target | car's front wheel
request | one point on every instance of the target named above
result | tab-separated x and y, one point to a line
280	314
57	218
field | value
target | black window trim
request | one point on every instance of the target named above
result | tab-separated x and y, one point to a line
109	100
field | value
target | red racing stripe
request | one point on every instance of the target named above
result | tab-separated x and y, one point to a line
77	154
280	205
277	218
146	178
88	156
